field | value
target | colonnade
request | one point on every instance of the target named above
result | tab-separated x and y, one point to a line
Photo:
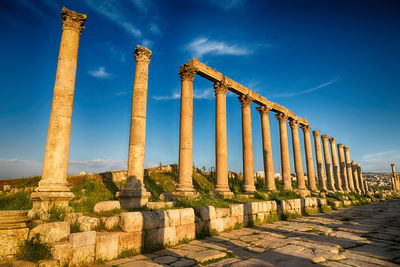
395	179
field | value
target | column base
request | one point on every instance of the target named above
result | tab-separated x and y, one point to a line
249	189
303	192
185	194
43	201
224	193
131	199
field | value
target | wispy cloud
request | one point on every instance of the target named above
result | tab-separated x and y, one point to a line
202	46
99	72
146	43
227	4
296	93
380	161
33	7
153	27
175	95
197	94
141	5
121	93
112	10
16	168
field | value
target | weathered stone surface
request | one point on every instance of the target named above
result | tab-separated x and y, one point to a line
88	223
291	206
172	218
165	259
72	217
187	231
206	255
62	252
82	239
130	241
48	263
10	239
107	245
237	210
206	213
222	212
111	222
217	225
131	221
82	255
183	263
106	206
151	220
51	232
187	216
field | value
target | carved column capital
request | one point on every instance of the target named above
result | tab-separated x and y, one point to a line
358	165
324	137
245	100
142	54
263	109
187	72
306	128
72	20
353	163
316	133
293	124
332	140
346	148
392	165
220	88
282	117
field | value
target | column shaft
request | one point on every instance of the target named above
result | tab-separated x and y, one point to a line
327	157
319	160
285	163
355	176
349	168
360	179
336	173
297	155
309	157
343	173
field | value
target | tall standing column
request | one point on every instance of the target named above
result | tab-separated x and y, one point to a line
267	149
53	187
360	179
318	158
309	157
338	183
327	157
247	139
221	147
285	163
134	194
355	176
301	185
395	179
343	173
185	186
349	169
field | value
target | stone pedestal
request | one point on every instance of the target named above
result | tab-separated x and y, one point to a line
349	168
318	158
343	173
285	163
221	154
267	149
134	194
298	166
336	175
53	187
327	157
247	139
309	158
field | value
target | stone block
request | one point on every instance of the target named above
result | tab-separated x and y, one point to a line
346	203
72	217
202	226
51	232
217	224
111	222
172	218
291	206
168	235
187	216
237	210
48	263
130	241
322	202
155	205
151	220
82	239
107	245
131	221
87	223
228	223
106	206
206	213
62	252
82	255
251	208
152	239
10	238
222	212
187	231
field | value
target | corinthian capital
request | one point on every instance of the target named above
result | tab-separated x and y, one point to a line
332	140
316	133
346	148
220	88
306	128
245	100
293	124
187	72
263	109
324	137
72	20
142	54
340	145
282	117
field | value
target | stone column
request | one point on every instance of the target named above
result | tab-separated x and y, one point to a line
247	140
360	179
221	147
318	158
394	178
355	176
185	186
301	185
349	169
327	157
343	173
134	194
267	149
53	187
285	164
309	158
338	183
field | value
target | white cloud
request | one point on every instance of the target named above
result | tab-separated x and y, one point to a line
112	10
202	46
16	168
153	27
197	94
290	94
96	165
174	96
99	72
227	4
380	161
146	43
141	5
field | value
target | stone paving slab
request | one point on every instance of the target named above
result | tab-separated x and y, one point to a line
366	235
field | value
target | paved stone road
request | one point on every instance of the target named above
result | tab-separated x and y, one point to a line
357	236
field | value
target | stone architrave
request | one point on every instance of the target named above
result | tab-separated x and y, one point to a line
309	158
134	194
319	161
267	148
294	126
349	168
248	167
53	187
221	147
336	172
327	157
185	186
355	176
360	179
285	163
343	173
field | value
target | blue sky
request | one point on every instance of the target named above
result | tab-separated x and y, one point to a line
336	63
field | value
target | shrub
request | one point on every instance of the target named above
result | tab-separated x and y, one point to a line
235	185
34	250
75	227
290	216
282	195
324	209
56	214
272	217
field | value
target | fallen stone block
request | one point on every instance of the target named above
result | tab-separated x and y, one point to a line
106	206
87	223
51	232
131	221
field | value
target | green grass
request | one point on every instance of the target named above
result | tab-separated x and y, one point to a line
283	195
272	217
324	209
75	227
16	201
228	255
28	182
158	183
290	216
56	214
128	253
34	250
